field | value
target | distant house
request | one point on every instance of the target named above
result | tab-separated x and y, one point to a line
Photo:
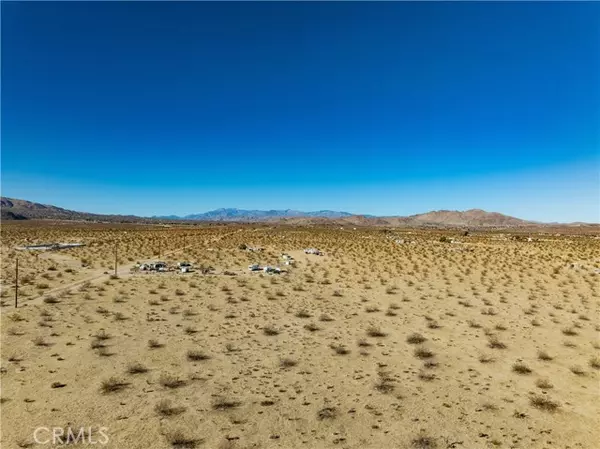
185	267
313	251
51	246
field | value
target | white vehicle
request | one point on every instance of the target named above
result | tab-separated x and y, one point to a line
158	266
185	267
313	251
269	269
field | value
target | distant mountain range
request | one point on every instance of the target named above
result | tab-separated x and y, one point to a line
232	214
15	209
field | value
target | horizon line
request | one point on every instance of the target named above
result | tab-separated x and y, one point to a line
183	217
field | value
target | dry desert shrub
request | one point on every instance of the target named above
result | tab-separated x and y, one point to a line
544	403
179	440
375	332
165	408
484	358
102	335
137	368
271	330
41	341
544	384
112	385
340	349
385	383
495	343
424	442
577	370
521	368
97	344
170	381
197	355
415	339
287	363
223	403
312	327
423	353
327	413
303	314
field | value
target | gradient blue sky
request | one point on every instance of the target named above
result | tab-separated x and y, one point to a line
380	108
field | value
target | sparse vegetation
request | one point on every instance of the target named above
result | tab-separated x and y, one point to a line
415	339
521	368
165	408
423	353
544	403
222	403
492	323
137	368
197	355
327	413
170	381
271	330
178	440
113	385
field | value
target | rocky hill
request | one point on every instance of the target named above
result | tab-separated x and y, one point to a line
15	209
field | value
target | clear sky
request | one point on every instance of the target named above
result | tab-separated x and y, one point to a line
393	108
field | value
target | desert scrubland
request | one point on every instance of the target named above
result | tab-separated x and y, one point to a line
391	339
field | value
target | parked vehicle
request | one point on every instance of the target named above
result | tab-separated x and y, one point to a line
185	267
313	251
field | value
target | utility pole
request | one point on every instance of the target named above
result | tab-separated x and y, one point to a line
159	247
17	284
116	259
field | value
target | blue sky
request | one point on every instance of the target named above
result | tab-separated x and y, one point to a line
382	108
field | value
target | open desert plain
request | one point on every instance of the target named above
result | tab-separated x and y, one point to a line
395	338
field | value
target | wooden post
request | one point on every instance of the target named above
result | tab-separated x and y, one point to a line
159	247
17	284
116	259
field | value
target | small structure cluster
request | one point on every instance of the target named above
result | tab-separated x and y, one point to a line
288	260
161	267
252	249
314	251
266	269
50	246
152	266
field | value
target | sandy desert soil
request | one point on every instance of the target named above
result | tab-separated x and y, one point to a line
489	342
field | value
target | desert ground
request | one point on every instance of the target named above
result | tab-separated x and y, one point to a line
397	338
